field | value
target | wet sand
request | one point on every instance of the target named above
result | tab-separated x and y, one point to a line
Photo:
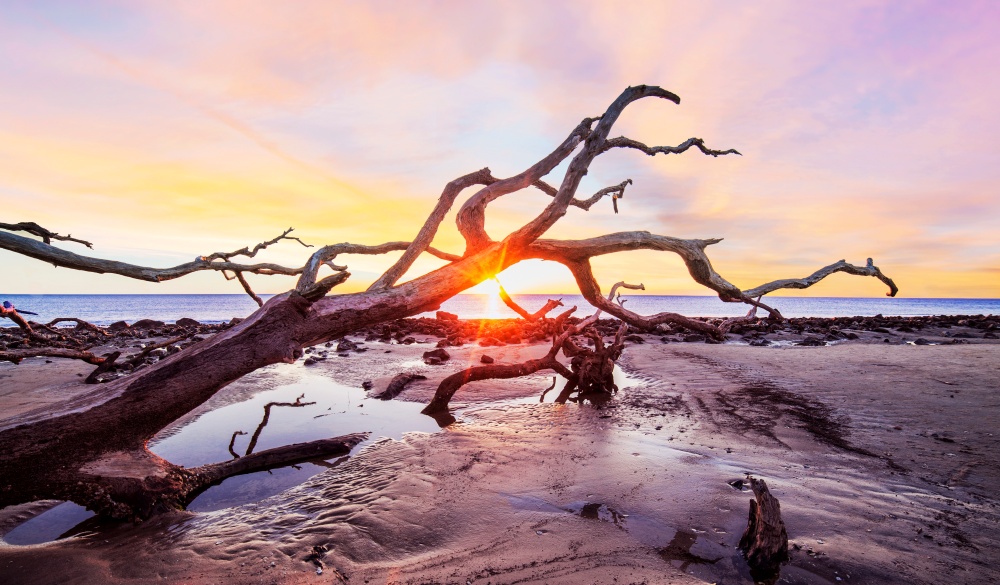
883	457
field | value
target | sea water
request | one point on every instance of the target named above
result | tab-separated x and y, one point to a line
107	309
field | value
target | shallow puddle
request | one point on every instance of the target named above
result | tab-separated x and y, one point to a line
313	408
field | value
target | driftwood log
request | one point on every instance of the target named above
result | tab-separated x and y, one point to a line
764	542
92	450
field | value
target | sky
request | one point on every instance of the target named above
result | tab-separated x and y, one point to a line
161	131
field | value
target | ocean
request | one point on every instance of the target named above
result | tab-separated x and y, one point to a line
106	309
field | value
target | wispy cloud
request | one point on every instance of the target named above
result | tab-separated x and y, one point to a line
867	127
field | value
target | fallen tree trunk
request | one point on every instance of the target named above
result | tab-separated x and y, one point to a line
92	449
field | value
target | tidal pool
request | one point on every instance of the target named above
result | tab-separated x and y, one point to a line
324	409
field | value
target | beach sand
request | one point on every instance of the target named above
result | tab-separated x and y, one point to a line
883	457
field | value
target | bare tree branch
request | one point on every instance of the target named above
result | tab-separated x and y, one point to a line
623	142
327	254
79	323
471	219
249	291
251	253
278	457
616	191
35	229
839	266
65	259
426	234
16	355
581	163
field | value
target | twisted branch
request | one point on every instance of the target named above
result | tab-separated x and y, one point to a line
35	229
244	251
623	142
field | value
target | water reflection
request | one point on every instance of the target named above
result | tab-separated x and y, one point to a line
332	409
58	522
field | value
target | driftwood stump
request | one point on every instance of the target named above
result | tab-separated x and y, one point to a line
765	541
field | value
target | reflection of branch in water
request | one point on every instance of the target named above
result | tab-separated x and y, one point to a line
263	423
327	464
546	391
232	442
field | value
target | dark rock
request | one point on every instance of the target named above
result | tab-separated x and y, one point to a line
989	335
811	342
921	341
436	356
187	322
147	324
664	340
443	343
235	321
446	316
118	326
346	345
408	341
634	339
695	338
762	342
486	359
367	384
309	361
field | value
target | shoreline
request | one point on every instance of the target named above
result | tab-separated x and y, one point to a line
881	454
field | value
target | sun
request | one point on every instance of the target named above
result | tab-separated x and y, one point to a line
493	306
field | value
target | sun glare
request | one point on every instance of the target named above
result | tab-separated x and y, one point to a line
494	305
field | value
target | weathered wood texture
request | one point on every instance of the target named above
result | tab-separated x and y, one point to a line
764	542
